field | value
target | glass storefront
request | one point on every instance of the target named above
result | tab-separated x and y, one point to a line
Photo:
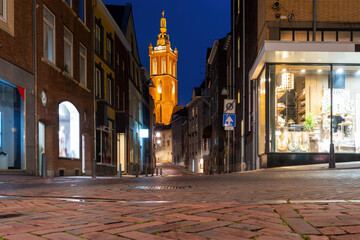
11	126
299	108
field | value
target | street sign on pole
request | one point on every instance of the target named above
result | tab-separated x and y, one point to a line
229	120
229	106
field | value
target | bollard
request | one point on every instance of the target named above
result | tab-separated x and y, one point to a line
157	171
152	172
43	165
94	168
137	174
119	170
146	171
160	171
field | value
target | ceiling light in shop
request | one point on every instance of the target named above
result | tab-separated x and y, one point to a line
340	71
303	70
357	73
287	81
319	70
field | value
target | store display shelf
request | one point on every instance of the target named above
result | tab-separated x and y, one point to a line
279	94
302	97
280	109
301	112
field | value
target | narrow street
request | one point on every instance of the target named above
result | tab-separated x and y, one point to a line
267	204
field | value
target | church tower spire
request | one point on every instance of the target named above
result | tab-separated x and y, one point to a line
163	37
163	71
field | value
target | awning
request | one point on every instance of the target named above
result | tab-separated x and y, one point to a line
306	53
207	131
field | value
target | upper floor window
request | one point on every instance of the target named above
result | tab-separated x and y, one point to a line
83	57
98	83
109	49
327	35
3	10
163	65
49	35
98	39
154	66
82	10
68	51
109	91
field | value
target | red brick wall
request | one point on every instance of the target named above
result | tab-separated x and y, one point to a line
59	87
18	49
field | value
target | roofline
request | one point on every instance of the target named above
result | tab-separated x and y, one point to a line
113	23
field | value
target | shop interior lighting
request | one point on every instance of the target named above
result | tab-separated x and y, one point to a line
319	70
303	70
287	81
340	71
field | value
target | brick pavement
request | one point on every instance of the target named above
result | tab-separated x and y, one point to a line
215	207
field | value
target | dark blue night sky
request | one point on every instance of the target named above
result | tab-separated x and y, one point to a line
193	25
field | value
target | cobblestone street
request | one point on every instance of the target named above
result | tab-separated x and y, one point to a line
283	203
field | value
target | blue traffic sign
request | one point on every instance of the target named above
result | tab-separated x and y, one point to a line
229	120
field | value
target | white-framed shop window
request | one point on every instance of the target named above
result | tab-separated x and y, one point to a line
68	51
83	63
69	131
49	35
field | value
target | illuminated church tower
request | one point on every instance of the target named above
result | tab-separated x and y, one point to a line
163	71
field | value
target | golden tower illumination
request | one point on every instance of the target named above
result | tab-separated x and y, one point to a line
163	71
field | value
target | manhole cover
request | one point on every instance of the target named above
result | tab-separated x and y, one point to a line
162	187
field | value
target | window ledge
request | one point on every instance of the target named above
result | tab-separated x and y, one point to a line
51	64
70	8
84	87
81	21
69	77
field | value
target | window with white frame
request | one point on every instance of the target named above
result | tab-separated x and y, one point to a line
109	91
97	83
49	35
83	57
82	10
69	131
68	51
3	10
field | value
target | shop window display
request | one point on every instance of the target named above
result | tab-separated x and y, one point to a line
302	119
12	100
346	109
69	131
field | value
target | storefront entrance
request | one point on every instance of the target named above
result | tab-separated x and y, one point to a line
11	126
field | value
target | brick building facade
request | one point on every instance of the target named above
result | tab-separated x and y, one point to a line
295	61
17	90
65	111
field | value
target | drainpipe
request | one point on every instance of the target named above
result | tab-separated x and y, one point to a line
233	80
315	19
34	48
243	85
94	113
